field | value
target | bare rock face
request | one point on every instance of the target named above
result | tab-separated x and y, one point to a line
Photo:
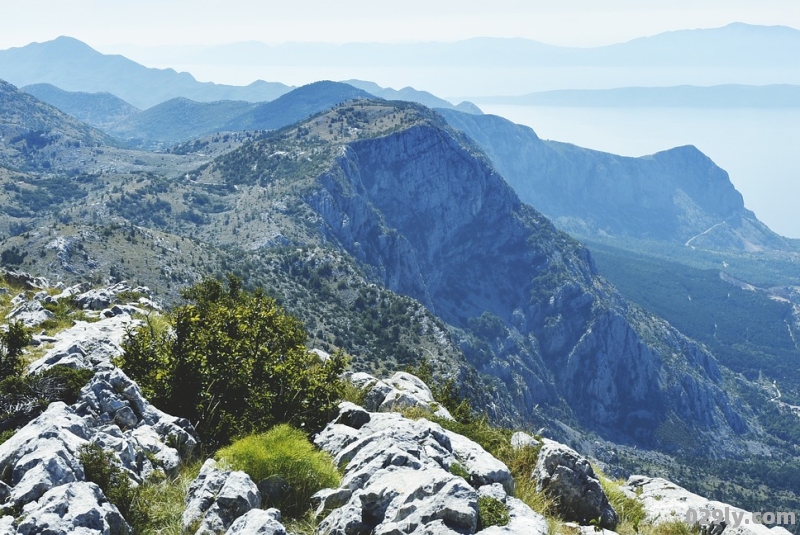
217	498
30	313
568	477
399	479
78	507
466	245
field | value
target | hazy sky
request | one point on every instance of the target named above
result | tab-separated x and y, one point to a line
102	23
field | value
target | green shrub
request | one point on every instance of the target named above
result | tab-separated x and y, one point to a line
233	363
12	342
491	512
286	453
100	468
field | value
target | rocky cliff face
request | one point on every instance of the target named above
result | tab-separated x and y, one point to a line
435	221
678	195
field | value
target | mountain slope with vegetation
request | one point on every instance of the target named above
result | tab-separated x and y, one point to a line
100	110
391	236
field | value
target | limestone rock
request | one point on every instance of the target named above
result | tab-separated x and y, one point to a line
665	501
523	440
99	299
217	498
87	345
398	476
44	454
30	313
258	522
74	508
401	391
566	475
114	405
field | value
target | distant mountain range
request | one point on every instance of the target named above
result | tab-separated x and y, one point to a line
412	95
74	66
737	45
181	119
687	96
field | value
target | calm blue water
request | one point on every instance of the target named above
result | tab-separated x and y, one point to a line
760	148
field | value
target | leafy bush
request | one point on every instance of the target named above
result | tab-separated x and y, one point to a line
284	455
12	342
233	362
491	512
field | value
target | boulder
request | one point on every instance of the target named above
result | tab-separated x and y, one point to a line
102	298
26	280
258	522
87	345
402	500
78	507
30	313
399	392
521	440
568	477
129	425
399	476
217	498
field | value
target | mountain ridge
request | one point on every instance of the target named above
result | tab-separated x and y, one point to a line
674	195
74	66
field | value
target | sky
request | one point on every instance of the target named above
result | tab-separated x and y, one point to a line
106	23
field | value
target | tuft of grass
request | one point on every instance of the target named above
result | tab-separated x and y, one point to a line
458	470
283	454
673	527
304	525
630	511
101	468
491	512
159	502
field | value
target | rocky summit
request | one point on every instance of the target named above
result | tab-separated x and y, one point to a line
400	474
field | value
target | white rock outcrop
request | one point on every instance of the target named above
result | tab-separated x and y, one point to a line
217	498
399	478
76	508
665	501
401	391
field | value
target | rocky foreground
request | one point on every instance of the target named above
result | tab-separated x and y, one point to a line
400	475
